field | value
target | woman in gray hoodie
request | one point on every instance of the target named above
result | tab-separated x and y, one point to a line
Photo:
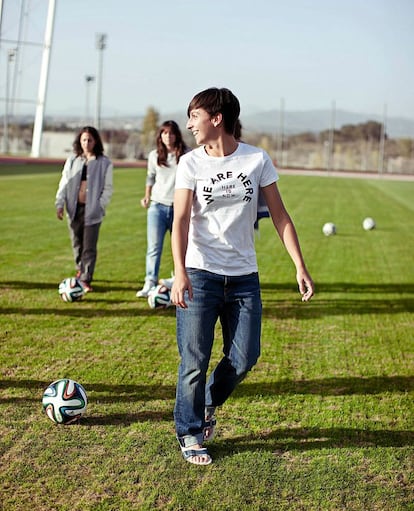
85	189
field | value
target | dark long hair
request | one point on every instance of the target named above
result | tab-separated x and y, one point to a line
98	149
179	146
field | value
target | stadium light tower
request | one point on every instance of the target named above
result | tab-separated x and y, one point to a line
100	45
44	73
281	132
88	80
1	14
381	150
330	160
10	57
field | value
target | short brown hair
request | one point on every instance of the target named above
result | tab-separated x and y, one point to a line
215	101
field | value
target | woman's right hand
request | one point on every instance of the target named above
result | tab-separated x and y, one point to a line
145	202
178	291
59	213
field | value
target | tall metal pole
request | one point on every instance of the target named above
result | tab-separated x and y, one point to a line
17	67
88	80
44	74
381	150
281	132
100	45
1	17
10	56
4	117
331	138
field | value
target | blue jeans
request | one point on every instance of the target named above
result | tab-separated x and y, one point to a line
159	221
237	303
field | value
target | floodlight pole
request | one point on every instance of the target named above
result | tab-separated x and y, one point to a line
100	46
88	80
281	132
1	14
381	150
44	73
331	138
10	57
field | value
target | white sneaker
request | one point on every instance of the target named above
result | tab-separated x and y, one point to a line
167	282
143	293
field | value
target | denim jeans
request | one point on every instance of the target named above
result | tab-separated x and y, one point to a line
159	221
237	303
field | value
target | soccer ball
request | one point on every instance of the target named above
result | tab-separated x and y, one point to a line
64	401
159	297
329	229
368	224
71	290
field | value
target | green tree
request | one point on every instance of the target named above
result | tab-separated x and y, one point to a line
149	128
405	147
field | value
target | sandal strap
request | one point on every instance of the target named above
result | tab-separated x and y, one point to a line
210	423
189	454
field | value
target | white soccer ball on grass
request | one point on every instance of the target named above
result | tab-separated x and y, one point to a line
71	290
368	224
64	401
329	229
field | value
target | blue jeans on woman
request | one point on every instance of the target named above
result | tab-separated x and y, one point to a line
236	301
159	222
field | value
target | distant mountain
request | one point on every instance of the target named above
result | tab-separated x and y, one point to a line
265	122
320	120
313	121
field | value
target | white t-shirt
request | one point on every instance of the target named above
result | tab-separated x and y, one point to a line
221	234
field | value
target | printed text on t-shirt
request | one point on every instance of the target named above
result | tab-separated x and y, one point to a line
228	188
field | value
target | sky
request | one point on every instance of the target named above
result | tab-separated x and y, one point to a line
159	53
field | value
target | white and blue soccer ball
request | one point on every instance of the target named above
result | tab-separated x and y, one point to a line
71	290
159	297
64	401
368	224
329	229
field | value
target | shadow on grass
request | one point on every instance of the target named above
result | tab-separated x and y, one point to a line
278	440
346	287
344	304
100	286
304	439
321	287
73	310
329	386
273	308
126	419
106	393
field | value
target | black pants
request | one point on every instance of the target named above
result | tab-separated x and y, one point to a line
84	244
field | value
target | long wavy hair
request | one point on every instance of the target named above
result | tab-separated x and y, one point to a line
98	148
179	146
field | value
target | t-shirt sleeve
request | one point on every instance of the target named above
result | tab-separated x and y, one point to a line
184	178
269	174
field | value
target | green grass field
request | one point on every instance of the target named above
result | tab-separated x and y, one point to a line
323	422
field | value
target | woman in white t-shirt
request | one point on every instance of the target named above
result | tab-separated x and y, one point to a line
159	196
216	274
